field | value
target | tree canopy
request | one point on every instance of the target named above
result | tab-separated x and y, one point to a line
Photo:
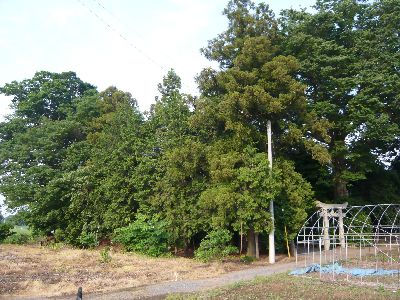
90	166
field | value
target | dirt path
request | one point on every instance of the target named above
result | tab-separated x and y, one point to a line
160	290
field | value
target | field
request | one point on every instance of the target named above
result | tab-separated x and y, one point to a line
54	271
284	287
36	272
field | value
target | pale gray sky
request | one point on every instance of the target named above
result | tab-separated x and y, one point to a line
73	35
66	35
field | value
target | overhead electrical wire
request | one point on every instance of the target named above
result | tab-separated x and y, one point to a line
116	18
172	60
122	36
125	38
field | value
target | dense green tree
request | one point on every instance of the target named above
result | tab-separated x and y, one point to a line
35	140
255	84
381	185
103	189
45	95
240	191
89	164
349	56
242	187
178	164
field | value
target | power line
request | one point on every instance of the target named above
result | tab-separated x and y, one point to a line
122	36
172	60
125	38
116	18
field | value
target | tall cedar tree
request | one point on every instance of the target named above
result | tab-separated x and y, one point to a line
255	83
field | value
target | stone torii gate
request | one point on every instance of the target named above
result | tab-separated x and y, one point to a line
332	210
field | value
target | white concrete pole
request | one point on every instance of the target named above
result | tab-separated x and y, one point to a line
326	229
341	229
271	203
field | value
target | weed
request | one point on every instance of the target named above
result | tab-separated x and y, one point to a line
105	256
56	246
246	259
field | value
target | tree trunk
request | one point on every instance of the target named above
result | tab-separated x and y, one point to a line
339	167
256	244
186	250
340	189
251	245
292	248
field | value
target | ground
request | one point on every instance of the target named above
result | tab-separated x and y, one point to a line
34	271
283	286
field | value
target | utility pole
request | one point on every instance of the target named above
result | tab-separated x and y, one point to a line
271	203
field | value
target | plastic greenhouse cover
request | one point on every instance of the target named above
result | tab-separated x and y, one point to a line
338	269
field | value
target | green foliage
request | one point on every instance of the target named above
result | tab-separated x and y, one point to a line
348	60
247	259
215	246
84	164
105	256
360	228
143	236
17	235
179	164
35	142
240	191
88	240
5	231
59	235
19	238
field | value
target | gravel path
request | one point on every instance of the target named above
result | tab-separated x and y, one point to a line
160	290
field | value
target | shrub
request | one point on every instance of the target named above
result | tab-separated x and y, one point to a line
215	246
19	238
143	236
5	231
59	235
105	256
247	259
88	240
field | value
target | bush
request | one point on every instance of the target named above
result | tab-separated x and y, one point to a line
105	256
215	246
143	236
247	259
5	231
88	240
59	235
18	238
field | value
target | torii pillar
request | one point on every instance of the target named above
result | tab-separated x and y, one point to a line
325	217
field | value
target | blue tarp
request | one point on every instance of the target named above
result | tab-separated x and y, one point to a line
338	269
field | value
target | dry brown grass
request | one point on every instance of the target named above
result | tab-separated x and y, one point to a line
41	271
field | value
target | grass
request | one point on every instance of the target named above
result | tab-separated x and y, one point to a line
34	271
284	286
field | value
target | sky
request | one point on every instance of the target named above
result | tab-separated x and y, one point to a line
129	44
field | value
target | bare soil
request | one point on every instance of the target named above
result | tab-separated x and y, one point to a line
33	271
